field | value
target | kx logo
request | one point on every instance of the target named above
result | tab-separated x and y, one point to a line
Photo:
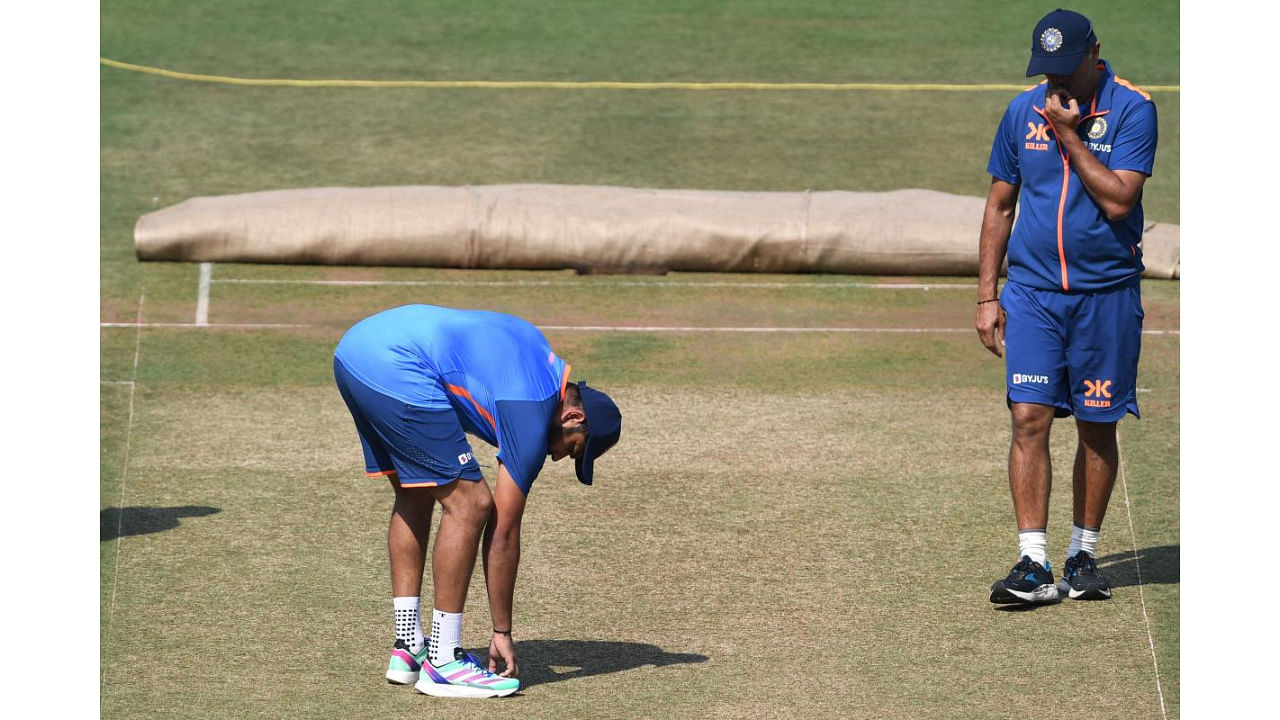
1097	388
1097	393
1037	136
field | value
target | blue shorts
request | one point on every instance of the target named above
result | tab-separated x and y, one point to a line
418	446
1075	352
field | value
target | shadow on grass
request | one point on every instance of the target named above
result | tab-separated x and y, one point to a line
123	522
1159	565
548	661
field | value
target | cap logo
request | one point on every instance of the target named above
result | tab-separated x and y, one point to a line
1051	39
1098	129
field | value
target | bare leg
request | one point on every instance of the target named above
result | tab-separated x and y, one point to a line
466	505
1094	474
407	539
1030	472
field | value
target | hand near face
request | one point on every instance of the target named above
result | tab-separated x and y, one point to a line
1064	115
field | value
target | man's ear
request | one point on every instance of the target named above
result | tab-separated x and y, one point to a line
574	414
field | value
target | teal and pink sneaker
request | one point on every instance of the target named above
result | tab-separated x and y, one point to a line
465	677
405	665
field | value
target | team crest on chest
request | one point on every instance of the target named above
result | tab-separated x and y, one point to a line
1098	129
1051	39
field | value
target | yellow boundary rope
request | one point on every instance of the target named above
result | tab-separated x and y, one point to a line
571	85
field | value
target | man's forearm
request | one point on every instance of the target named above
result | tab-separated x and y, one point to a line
1115	196
501	561
993	242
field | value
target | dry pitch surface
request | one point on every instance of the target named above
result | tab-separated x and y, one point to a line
795	523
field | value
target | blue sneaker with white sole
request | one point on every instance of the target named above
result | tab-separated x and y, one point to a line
1081	579
1029	583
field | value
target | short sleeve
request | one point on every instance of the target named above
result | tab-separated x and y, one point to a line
1134	147
1003	164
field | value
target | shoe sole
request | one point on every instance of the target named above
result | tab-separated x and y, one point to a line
402	677
436	689
1091	593
1043	594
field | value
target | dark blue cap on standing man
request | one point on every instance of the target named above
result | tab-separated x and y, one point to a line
1060	42
604	426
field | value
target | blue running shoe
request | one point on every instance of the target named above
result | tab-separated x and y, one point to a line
465	677
405	665
1081	579
1029	582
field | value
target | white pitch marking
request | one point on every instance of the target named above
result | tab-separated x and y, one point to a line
206	325
202	295
619	328
1137	564
622	283
124	480
654	328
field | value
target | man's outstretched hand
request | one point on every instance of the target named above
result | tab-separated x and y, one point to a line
503	650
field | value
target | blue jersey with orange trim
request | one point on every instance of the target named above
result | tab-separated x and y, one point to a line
496	371
1061	239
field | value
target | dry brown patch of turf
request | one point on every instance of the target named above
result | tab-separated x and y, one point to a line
735	539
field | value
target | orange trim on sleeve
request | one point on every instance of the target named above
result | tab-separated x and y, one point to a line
463	392
381	473
564	381
1125	83
430	483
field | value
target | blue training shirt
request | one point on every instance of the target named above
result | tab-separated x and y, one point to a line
1061	239
496	371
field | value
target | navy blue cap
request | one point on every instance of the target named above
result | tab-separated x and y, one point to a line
1060	42
604	426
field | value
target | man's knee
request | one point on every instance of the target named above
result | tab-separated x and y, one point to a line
1031	422
1098	436
469	501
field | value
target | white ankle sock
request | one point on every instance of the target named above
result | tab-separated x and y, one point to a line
408	623
1035	545
1083	538
446	635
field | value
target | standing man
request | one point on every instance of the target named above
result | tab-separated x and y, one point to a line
416	379
1075	150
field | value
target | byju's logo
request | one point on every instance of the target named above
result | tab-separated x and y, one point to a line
1020	378
1097	393
465	458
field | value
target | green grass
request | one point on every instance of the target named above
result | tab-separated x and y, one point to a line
769	487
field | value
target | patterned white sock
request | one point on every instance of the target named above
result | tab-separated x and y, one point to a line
1083	538
408	624
1035	545
446	635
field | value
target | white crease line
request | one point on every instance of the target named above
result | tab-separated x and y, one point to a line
622	328
124	479
206	325
202	294
566	283
654	328
118	382
1137	564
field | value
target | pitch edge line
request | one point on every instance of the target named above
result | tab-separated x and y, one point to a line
124	481
1137	564
616	328
569	283
578	85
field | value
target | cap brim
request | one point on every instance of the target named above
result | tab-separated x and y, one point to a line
1056	65
605	421
585	466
